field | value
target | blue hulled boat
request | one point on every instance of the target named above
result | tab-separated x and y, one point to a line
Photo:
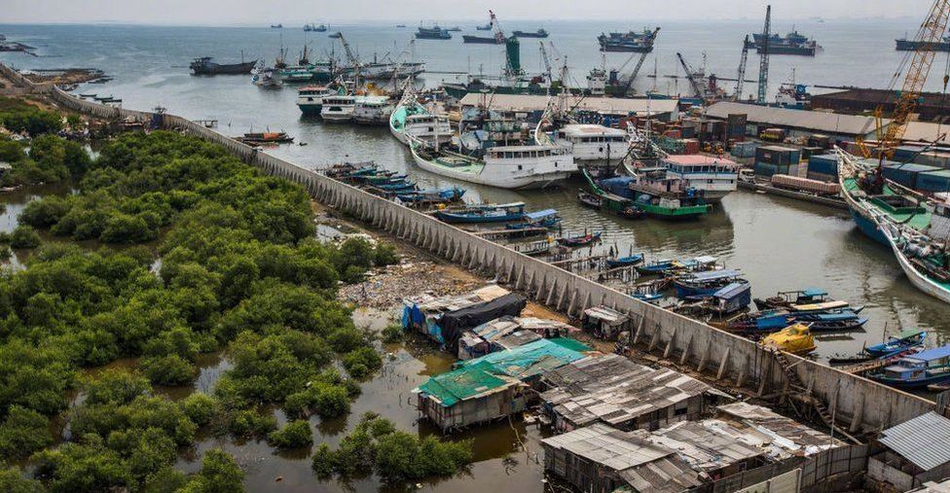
917	371
904	341
629	260
448	194
732	298
489	213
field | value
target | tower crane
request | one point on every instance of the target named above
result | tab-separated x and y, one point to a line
693	81
741	72
764	57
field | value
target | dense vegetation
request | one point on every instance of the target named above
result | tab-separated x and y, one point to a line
50	159
376	446
239	270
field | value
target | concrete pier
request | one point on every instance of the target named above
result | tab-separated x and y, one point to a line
671	337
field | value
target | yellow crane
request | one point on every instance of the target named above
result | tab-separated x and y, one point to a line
920	61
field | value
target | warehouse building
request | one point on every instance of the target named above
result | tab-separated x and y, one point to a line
797	123
661	109
931	106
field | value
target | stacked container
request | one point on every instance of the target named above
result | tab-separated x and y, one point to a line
744	149
823	167
934	181
907	174
776	160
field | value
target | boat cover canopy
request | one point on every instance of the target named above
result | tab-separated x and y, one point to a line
533	216
814	292
455	324
910	333
705	259
714	275
932	354
733	290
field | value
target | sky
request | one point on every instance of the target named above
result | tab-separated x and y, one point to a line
293	12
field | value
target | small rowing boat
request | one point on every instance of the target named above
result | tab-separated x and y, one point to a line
579	241
487	213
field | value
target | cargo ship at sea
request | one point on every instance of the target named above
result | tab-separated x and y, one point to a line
434	32
540	33
905	44
629	42
792	43
205	66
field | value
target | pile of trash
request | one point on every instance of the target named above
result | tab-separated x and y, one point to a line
386	287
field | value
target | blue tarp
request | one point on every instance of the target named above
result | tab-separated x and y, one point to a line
733	290
534	216
813	292
932	354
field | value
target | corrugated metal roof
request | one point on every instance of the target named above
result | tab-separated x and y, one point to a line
609	447
922	440
806	120
524	102
606	314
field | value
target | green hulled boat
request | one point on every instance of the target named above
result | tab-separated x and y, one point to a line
644	192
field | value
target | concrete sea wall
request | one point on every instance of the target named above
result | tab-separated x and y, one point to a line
856	403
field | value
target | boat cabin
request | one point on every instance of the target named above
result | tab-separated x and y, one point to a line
594	142
716	177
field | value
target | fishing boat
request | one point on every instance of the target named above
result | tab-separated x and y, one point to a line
729	299
338	109
484	213
785	299
703	284
647	297
265	77
593	143
265	138
433	195
547	218
310	99
795	339
771	320
658	195
540	33
412	120
580	240
205	66
627	261
715	177
372	110
434	32
611	203
914	229
511	167
928	367
905	340
792	43
630	42
670	266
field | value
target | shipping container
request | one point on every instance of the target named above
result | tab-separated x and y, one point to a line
934	181
906	174
773	135
768	169
690	146
825	164
932	158
808	152
744	149
796	183
905	154
777	155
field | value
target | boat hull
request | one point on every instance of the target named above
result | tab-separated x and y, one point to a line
212	68
467	39
310	109
911	384
517	183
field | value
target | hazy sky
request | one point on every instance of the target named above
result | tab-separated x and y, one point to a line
293	12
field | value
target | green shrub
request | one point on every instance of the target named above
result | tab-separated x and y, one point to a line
393	333
171	369
362	362
23	432
24	237
295	434
199	407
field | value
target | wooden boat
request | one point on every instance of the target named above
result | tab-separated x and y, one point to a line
449	194
265	138
733	297
589	200
488	213
929	367
770	321
580	241
670	266
704	284
628	261
547	218
784	299
905	340
795	339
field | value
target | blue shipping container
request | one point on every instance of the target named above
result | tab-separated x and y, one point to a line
906	174
826	164
905	154
768	169
934	181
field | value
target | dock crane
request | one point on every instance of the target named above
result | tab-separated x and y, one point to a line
920	62
350	56
691	76
547	64
740	77
764	57
496	28
636	69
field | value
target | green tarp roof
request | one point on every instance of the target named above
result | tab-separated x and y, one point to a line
482	375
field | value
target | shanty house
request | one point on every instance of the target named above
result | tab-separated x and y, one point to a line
604	322
913	453
493	386
602	459
614	390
